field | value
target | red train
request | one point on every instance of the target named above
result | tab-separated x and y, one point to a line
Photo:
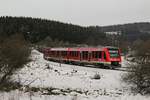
102	56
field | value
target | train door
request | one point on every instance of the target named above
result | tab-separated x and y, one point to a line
104	55
89	56
80	55
84	55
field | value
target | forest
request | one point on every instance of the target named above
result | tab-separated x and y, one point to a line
40	31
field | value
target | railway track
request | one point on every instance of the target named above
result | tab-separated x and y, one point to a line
125	69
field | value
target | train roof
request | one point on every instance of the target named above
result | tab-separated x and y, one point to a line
59	49
81	48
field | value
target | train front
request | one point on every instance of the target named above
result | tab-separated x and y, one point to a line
113	56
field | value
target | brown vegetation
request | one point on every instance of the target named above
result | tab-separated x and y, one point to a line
140	71
14	53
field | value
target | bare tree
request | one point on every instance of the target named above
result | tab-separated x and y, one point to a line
14	53
140	71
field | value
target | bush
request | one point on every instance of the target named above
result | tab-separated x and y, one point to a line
139	75
14	53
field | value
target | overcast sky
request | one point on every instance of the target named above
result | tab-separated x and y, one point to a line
81	12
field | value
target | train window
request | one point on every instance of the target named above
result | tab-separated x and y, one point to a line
104	55
85	54
96	54
76	53
64	53
93	54
52	53
73	53
70	53
113	52
57	53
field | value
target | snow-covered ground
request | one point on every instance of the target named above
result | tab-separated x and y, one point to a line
69	82
18	95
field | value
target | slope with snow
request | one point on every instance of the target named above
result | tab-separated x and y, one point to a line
72	82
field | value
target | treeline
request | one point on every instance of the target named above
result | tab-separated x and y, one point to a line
131	31
36	30
55	33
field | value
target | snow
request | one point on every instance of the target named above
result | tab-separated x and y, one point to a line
78	80
17	95
49	74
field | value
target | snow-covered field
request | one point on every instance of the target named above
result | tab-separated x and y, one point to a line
69	82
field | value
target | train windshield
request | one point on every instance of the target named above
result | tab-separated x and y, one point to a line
114	53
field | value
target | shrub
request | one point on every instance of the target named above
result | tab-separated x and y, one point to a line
14	53
139	75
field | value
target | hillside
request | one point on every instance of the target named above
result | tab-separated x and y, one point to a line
46	80
132	31
36	30
143	26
